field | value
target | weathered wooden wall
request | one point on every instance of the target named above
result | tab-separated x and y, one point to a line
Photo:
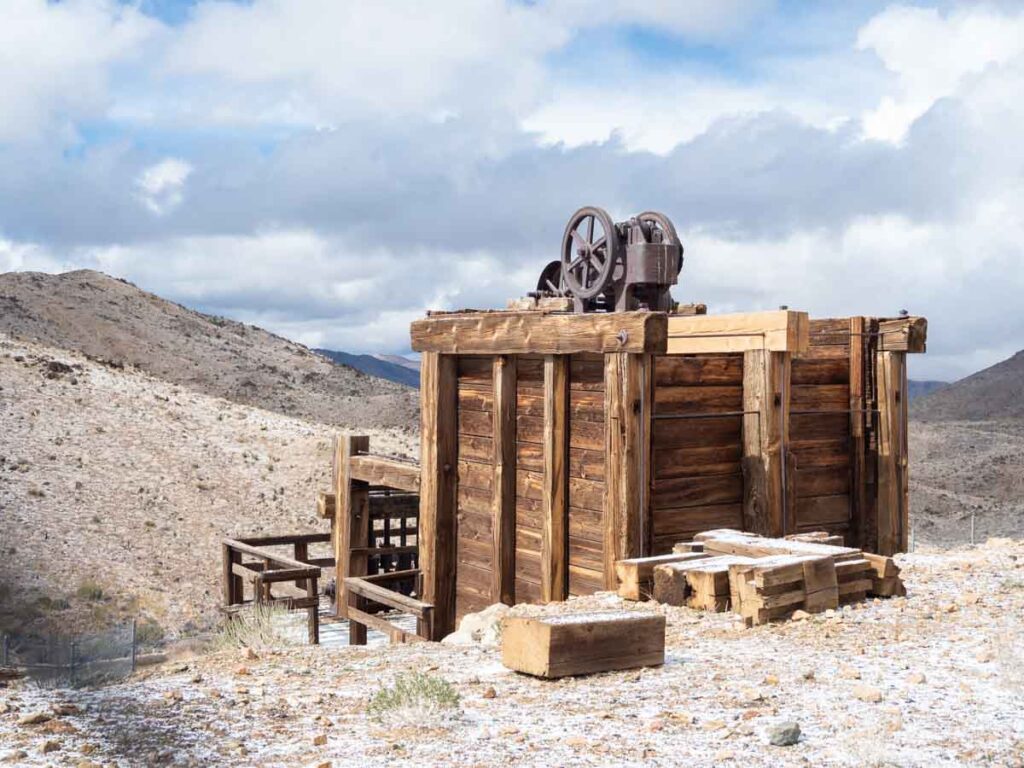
696	447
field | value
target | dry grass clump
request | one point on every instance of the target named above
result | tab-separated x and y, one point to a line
415	700
262	626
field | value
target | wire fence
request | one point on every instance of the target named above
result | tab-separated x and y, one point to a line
61	661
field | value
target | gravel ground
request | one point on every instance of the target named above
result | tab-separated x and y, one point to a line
934	679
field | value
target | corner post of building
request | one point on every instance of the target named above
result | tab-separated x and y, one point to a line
504	492
861	530
555	511
766	383
893	510
627	414
438	488
351	528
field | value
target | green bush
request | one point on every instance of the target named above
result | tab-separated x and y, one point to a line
415	699
89	590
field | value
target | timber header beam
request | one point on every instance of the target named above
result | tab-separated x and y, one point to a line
903	334
779	331
519	333
385	471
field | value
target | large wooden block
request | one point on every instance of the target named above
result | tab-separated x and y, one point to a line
700	584
581	644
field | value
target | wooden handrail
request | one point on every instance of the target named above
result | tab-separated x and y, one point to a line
281	560
369	590
273	541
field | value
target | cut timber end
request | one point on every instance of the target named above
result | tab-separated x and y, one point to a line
903	334
636	575
559	646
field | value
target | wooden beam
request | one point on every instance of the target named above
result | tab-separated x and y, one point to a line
903	334
555	511
858	476
780	331
503	502
766	377
627	414
893	510
438	462
512	333
386	472
351	526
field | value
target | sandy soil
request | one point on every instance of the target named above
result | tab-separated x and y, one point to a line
116	479
930	680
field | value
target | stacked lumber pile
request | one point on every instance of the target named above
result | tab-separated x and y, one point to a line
762	579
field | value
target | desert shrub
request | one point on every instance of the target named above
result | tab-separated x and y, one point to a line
415	699
148	632
261	626
89	590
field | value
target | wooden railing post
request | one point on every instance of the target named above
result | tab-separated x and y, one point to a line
232	582
438	486
351	526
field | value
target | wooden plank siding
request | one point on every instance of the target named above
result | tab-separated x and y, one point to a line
696	447
586	469
822	440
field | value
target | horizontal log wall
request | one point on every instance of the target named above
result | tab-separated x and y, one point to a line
697	477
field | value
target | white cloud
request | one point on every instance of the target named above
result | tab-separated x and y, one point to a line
55	61
932	55
161	187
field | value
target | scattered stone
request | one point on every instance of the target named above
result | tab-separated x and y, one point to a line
64	708
483	627
49	746
800	615
34	718
915	678
784	734
867	693
320	739
242	670
849	673
14	756
724	755
771	680
808	674
250	654
490	693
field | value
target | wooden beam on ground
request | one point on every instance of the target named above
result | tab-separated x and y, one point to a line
892	509
626	379
580	644
554	564
503	501
766	378
903	334
779	331
438	486
387	472
351	526
513	333
636	575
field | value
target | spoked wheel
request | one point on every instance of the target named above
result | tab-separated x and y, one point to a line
661	230
590	250
551	279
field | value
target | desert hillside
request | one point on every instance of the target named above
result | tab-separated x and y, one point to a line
116	488
993	394
110	319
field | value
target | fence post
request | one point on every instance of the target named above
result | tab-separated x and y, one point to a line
71	673
133	645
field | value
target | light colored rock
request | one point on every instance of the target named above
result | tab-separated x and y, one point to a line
34	718
483	627
867	693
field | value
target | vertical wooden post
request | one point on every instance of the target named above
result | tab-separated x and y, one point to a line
351	528
859	528
627	459
504	494
232	583
438	487
765	433
313	612
554	565
893	511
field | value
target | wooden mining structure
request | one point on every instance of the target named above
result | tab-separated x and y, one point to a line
554	444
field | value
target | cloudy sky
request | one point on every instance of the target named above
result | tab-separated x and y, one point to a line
331	169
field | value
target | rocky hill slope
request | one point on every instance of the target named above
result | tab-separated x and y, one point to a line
116	488
110	319
993	394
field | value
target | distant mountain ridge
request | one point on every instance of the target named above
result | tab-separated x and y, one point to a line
390	367
993	394
110	319
919	388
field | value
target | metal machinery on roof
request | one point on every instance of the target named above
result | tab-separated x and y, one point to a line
608	266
